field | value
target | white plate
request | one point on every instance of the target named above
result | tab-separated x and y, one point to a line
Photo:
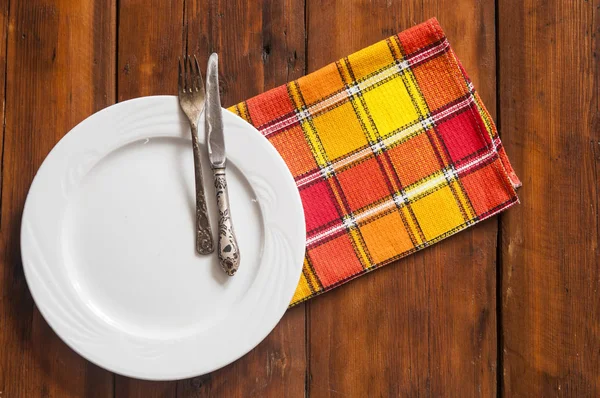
107	242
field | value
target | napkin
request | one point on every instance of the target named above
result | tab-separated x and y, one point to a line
392	150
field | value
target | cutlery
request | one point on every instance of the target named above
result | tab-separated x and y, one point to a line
191	101
227	247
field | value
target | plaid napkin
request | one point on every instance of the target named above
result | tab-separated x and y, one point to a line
392	150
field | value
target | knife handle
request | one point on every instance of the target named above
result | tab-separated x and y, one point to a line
227	246
204	238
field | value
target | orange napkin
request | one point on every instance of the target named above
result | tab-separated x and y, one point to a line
392	150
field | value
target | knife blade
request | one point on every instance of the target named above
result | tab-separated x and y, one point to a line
214	117
227	246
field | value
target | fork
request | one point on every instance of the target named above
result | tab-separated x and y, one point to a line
191	100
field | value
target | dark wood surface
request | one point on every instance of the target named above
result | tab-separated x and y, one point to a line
550	119
509	307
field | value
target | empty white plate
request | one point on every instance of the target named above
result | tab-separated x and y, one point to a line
107	242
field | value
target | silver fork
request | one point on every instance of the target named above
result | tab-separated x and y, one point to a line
191	100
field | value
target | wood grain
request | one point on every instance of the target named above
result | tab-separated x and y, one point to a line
425	325
550	119
3	41
47	40
150	40
260	46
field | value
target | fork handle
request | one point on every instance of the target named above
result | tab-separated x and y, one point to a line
204	238
227	246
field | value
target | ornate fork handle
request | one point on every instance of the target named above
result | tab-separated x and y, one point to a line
227	247
191	96
204	239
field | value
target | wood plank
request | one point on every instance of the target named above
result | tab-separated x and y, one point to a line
60	70
133	388
149	44
260	47
426	324
550	114
3	41
150	40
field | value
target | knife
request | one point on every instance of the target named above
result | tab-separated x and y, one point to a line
227	246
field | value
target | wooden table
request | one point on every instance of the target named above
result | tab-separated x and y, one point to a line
510	306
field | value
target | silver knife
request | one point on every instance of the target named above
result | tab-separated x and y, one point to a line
227	246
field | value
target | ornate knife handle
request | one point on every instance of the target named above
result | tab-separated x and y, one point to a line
227	247
204	239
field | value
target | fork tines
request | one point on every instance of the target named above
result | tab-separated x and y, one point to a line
190	78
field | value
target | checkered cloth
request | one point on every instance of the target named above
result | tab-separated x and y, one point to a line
392	150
